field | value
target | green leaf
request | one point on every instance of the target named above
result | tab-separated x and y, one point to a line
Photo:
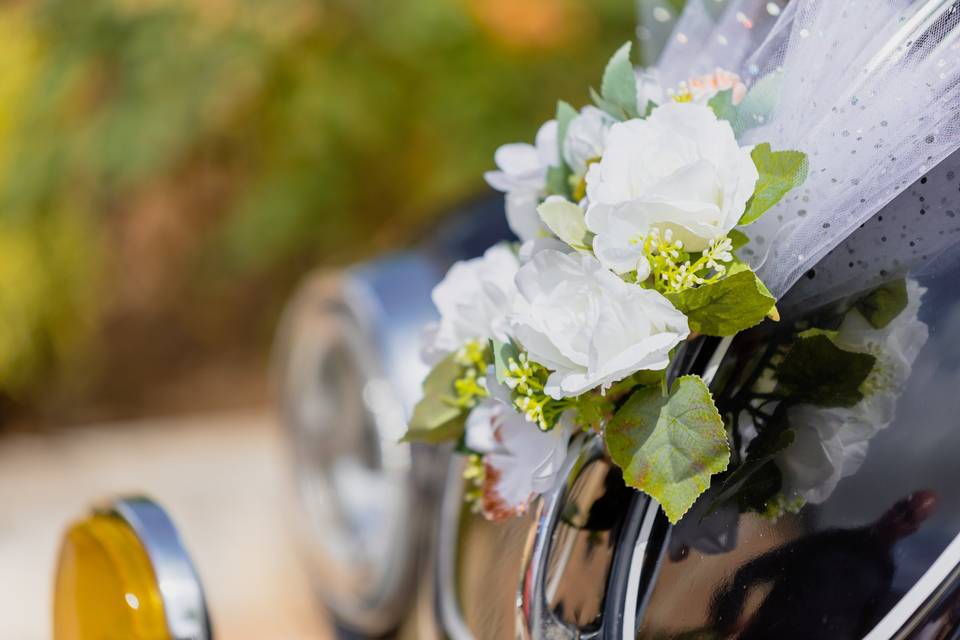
436	419
752	478
502	353
619	86
726	307
565	220
668	447
565	115
738	238
605	105
756	106
780	171
884	303
647	110
558	183
816	371
722	105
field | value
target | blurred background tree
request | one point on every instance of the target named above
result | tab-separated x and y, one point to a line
170	169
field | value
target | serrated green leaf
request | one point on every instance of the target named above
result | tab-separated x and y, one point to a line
565	220
669	447
817	371
726	307
502	354
780	171
722	105
565	115
436	419
883	304
619	86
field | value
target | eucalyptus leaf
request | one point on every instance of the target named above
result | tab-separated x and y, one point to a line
436	419
608	107
780	171
723	107
755	108
884	303
670	446
726	307
565	220
558	183
565	115
817	371
502	354
619	86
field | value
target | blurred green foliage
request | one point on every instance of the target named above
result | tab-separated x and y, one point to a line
191	159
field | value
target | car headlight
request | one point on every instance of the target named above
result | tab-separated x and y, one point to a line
348	374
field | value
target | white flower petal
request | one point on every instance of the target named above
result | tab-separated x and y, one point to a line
679	169
529	463
589	327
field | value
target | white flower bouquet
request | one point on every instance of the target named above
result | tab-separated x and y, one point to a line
628	212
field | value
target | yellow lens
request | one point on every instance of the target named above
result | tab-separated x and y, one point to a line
105	586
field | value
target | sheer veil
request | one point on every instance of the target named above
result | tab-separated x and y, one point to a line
870	90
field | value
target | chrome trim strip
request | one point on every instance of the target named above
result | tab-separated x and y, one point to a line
919	593
534	618
447	606
183	602
636	567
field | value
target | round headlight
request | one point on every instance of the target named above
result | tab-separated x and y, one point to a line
346	358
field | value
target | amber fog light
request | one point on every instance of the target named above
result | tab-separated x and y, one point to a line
124	573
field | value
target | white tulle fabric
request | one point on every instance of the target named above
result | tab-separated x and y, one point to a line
869	89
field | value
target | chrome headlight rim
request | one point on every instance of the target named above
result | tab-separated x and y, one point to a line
335	315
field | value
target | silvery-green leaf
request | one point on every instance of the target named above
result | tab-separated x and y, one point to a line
670	446
619	86
780	171
755	108
558	182
502	353
436	419
607	107
565	115
726	307
723	108
565	220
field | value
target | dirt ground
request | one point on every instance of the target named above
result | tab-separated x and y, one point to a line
221	477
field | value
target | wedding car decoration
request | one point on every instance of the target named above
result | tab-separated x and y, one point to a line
628	212
804	412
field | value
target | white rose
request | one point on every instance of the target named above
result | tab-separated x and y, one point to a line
681	169
589	327
586	138
473	299
522	175
520	460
